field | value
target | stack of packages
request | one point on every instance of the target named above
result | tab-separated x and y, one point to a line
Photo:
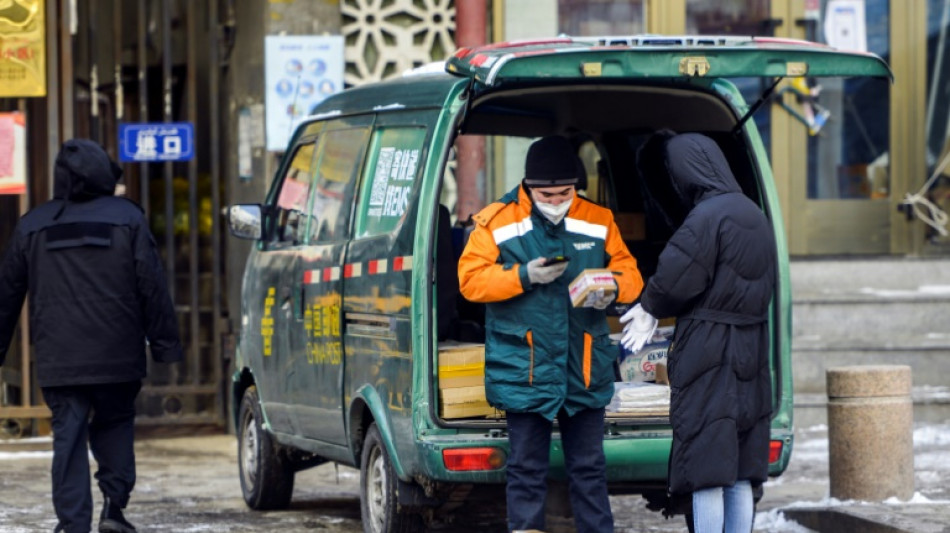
462	382
644	388
641	398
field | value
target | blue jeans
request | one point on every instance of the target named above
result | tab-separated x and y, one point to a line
582	436
715	506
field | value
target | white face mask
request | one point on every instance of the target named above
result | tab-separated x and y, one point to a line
552	212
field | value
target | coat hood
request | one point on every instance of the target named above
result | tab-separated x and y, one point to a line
84	171
699	168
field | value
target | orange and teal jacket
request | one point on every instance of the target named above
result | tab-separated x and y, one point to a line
541	353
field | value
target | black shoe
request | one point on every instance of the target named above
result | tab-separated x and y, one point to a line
111	519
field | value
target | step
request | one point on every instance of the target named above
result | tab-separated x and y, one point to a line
929	367
871	324
870	311
815	278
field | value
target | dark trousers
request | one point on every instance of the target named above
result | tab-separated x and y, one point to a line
110	434
582	437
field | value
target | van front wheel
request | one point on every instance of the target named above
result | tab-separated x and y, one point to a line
378	499
267	477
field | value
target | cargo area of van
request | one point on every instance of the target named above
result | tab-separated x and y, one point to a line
615	128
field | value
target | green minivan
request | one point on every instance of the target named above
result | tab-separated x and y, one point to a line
350	295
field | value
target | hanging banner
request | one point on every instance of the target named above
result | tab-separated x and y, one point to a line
12	153
22	48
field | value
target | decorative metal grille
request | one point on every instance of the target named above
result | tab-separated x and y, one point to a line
386	37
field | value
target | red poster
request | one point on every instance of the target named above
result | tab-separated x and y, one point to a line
12	153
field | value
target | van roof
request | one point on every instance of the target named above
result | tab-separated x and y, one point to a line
412	92
658	56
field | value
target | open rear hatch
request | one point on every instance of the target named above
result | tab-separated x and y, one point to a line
614	93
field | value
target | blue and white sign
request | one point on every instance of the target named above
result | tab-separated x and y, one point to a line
156	141
299	72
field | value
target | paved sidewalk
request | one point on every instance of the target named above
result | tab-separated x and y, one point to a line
191	484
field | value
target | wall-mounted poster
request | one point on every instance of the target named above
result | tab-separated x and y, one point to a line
22	48
12	153
299	72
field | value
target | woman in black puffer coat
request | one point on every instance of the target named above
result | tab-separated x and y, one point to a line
716	275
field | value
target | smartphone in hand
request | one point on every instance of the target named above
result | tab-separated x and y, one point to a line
556	259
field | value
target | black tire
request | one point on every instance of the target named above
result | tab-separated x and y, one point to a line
267	476
378	485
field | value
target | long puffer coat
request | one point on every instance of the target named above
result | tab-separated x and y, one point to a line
716	275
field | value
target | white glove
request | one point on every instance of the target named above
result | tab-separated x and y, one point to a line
538	273
598	300
639	329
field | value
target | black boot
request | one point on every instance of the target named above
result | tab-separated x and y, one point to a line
111	519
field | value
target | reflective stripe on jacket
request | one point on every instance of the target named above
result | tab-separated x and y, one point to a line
540	352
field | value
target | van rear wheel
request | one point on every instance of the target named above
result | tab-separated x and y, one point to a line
267	477
378	498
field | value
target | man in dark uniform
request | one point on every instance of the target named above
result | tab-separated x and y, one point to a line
97	296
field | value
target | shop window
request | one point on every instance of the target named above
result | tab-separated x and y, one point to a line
848	145
938	98
736	17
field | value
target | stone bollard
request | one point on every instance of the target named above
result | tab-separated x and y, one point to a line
870	432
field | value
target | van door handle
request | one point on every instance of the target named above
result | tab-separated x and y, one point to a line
367	324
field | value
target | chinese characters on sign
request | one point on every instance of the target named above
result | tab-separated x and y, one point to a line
392	183
22	48
156	142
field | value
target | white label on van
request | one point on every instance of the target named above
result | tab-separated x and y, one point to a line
392	183
381	178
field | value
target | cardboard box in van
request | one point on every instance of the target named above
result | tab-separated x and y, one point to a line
462	366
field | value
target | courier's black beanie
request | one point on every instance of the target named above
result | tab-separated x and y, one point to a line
551	162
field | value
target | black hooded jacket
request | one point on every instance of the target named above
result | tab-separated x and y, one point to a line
94	276
717	276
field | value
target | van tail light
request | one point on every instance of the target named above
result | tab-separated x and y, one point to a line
468	459
775	451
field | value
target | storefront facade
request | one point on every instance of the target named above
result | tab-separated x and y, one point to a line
842	181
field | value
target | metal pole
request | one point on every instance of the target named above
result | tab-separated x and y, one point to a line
25	374
142	45
92	57
193	273
215	130
167	116
53	90
170	251
117	75
67	83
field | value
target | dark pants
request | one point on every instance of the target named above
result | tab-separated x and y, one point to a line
110	435
582	437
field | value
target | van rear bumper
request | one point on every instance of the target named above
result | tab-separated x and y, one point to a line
630	460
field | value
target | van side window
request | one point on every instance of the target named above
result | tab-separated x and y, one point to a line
390	179
339	159
292	200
